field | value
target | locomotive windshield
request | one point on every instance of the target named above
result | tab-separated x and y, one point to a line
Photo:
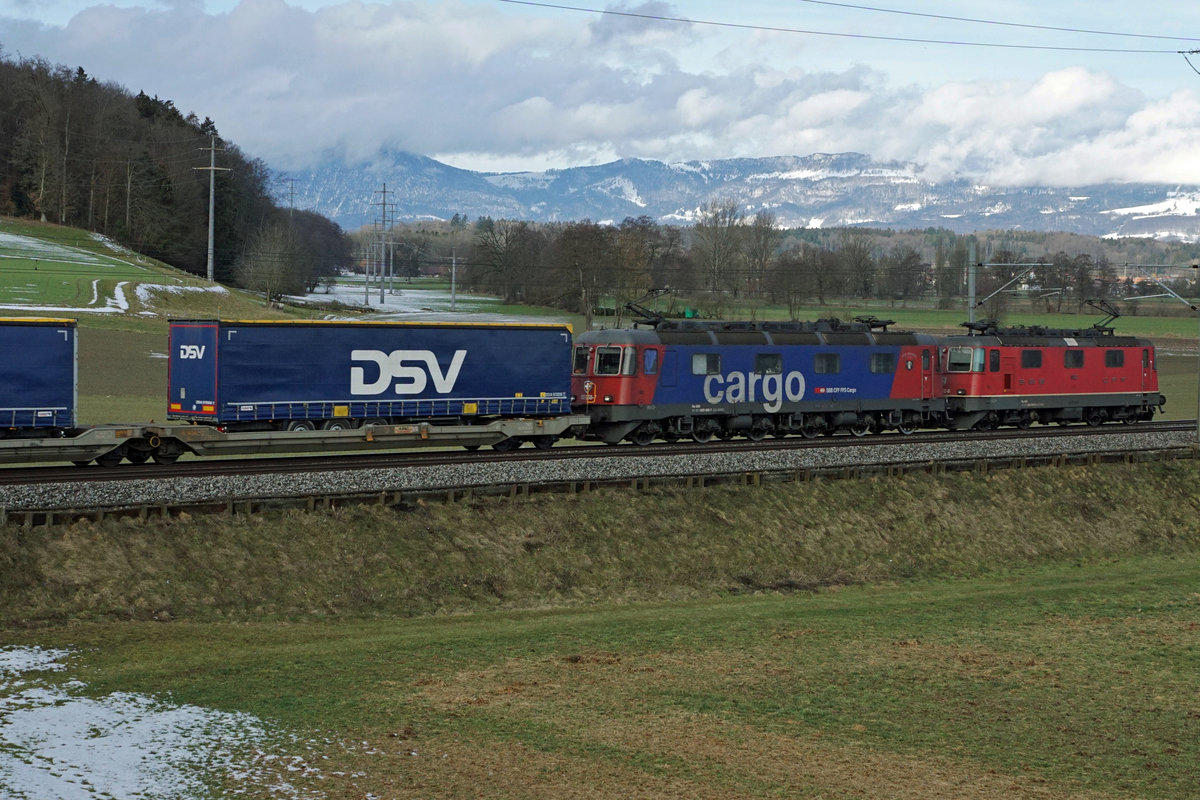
964	359
608	360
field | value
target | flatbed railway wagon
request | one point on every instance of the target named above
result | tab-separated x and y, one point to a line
38	376
338	375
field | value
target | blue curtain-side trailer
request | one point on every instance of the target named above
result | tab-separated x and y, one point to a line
273	375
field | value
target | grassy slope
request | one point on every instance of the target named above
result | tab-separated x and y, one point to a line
661	645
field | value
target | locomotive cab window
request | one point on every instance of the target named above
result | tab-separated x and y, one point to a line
883	363
582	356
706	364
827	363
1114	359
1031	359
629	362
993	361
608	360
1073	359
768	364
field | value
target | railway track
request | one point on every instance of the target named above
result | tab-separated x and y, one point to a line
195	467
45	495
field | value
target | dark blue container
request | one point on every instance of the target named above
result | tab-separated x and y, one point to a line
38	373
253	373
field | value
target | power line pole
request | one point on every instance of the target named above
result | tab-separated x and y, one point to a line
212	169
384	237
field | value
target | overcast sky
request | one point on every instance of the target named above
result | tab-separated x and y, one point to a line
507	86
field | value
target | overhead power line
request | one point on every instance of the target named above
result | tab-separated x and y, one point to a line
842	34
1000	23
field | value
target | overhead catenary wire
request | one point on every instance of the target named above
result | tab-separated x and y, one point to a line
848	35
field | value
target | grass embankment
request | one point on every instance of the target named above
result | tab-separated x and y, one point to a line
659	645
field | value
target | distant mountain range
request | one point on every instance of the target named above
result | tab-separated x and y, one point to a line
821	190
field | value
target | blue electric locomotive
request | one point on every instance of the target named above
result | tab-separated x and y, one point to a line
714	379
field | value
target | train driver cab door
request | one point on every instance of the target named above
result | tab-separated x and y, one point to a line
927	364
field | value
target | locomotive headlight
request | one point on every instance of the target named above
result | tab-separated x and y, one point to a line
608	398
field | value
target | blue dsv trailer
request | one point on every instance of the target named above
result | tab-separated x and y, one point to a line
303	375
38	374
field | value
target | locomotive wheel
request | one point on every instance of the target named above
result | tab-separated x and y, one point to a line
810	430
907	427
702	435
643	436
757	434
1025	421
861	428
1095	417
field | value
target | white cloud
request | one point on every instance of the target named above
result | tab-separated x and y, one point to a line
485	84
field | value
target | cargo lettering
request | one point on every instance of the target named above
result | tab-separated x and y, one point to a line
195	351
408	370
770	390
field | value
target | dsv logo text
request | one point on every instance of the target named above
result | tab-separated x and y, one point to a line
408	371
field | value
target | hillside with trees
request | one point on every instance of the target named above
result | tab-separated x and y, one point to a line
81	152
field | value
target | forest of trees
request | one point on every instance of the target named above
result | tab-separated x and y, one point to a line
79	152
728	256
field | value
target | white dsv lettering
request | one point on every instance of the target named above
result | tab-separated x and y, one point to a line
191	350
402	368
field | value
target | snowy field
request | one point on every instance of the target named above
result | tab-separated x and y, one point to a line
411	302
56	743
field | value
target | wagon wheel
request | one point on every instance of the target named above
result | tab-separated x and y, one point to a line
137	456
543	442
166	458
340	424
302	425
505	445
110	459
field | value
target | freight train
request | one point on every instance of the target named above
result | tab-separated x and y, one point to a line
258	386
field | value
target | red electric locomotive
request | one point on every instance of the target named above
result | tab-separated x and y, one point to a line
1022	375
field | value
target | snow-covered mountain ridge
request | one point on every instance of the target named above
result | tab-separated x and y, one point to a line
819	190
